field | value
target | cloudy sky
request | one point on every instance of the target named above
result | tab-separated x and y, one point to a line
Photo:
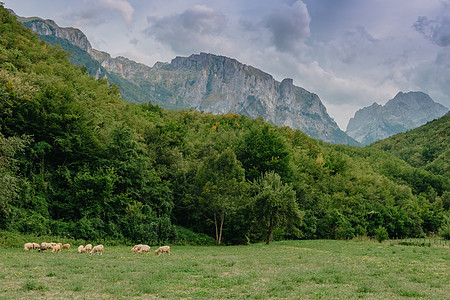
350	52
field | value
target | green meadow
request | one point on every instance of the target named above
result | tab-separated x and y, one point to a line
288	269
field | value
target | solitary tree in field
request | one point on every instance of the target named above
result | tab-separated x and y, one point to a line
274	203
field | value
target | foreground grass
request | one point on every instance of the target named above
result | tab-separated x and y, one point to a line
292	269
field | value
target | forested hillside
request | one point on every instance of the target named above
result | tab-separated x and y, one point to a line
128	90
76	160
426	147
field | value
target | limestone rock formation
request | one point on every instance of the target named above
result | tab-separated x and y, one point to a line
404	112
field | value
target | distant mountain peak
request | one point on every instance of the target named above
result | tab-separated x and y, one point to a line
403	112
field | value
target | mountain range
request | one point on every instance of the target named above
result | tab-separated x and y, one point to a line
204	82
218	84
404	112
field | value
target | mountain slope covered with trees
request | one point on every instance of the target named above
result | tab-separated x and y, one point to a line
426	147
76	160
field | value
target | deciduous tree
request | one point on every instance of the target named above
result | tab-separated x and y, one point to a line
274	204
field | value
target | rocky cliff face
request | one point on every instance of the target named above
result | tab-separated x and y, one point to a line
49	27
214	84
404	112
220	84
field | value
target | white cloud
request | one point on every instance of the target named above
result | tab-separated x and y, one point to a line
96	12
122	6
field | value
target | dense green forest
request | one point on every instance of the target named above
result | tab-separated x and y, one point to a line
129	91
77	160
426	147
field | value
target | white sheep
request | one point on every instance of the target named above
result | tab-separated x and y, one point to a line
56	248
144	248
45	246
28	246
162	250
66	246
97	249
36	245
136	248
88	248
81	249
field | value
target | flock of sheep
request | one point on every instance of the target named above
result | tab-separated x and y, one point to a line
55	247
88	249
146	248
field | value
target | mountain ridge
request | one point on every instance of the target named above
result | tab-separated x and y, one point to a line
213	83
403	112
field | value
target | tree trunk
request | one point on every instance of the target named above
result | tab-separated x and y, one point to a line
217	231
269	232
222	218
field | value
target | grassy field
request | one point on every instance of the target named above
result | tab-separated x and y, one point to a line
291	269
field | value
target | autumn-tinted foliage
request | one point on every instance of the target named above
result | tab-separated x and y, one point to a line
77	160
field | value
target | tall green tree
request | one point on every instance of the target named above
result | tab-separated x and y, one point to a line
10	179
275	204
221	179
263	150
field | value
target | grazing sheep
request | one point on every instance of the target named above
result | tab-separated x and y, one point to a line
136	248
81	249
144	248
36	245
28	246
45	246
66	246
88	248
162	250
56	248
97	249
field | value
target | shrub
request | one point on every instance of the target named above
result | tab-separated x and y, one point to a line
31	222
444	231
344	231
381	234
189	237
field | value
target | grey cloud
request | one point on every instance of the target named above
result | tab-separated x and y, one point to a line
189	31
436	30
134	41
432	78
355	42
443	60
289	26
87	17
247	25
353	46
